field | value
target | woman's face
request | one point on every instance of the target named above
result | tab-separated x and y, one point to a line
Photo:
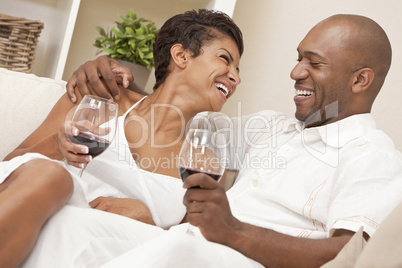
214	74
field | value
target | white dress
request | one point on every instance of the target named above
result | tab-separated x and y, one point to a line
114	173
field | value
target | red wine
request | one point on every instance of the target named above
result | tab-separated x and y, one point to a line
95	144
186	171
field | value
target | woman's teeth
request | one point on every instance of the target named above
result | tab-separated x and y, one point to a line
222	88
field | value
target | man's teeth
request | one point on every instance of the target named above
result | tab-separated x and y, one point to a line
303	93
222	88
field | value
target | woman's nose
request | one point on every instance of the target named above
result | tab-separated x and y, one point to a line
234	77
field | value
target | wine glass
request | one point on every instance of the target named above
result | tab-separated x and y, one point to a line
96	120
202	151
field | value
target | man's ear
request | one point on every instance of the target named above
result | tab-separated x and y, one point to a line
179	55
362	80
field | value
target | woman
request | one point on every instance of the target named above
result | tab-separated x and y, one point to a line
196	57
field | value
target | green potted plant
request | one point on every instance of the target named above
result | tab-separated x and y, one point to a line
131	42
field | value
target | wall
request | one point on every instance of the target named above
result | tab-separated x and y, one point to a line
103	13
272	31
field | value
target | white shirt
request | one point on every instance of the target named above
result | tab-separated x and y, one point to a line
309	182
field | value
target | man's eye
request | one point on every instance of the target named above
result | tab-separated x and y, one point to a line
315	63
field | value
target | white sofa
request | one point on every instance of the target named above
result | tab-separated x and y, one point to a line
25	101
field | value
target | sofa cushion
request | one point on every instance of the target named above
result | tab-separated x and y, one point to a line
25	101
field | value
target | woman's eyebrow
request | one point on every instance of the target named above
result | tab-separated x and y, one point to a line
230	55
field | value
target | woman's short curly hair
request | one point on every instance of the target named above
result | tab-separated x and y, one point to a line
192	30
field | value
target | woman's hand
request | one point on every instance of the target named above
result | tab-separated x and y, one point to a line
127	207
75	154
90	72
208	208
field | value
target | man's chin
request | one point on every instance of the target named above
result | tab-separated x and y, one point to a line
310	120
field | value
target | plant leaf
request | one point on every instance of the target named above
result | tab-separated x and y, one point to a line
100	30
132	39
108	50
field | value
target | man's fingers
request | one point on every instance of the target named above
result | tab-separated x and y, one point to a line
194	195
82	84
201	180
70	87
126	82
195	207
123	74
110	81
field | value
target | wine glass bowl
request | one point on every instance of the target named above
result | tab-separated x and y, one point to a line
202	152
96	121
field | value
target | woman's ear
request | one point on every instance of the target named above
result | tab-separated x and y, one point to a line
362	80
179	55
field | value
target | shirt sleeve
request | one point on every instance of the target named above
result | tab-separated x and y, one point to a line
371	186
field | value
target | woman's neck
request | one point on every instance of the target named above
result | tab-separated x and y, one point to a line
168	109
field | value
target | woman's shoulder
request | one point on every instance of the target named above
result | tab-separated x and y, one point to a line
128	98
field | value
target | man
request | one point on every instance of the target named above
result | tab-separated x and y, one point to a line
339	174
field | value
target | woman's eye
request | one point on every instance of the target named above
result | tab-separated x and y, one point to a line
226	58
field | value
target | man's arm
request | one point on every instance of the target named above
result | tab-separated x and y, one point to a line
273	249
111	72
209	209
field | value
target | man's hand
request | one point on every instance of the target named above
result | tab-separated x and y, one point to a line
90	72
127	207
208	208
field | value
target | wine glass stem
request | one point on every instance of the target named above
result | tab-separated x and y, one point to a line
82	171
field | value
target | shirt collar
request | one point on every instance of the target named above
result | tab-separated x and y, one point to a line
339	133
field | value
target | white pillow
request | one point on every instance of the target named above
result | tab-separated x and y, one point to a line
25	101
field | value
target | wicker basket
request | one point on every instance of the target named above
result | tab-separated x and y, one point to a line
18	39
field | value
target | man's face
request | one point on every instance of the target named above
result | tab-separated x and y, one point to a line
323	75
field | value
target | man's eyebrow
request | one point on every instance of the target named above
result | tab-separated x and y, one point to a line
231	58
311	53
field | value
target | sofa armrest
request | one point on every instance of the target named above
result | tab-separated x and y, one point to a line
25	101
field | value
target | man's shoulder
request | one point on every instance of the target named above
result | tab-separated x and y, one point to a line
375	148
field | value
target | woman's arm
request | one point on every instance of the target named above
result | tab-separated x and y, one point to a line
128	207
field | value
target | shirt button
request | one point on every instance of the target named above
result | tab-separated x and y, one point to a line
255	183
